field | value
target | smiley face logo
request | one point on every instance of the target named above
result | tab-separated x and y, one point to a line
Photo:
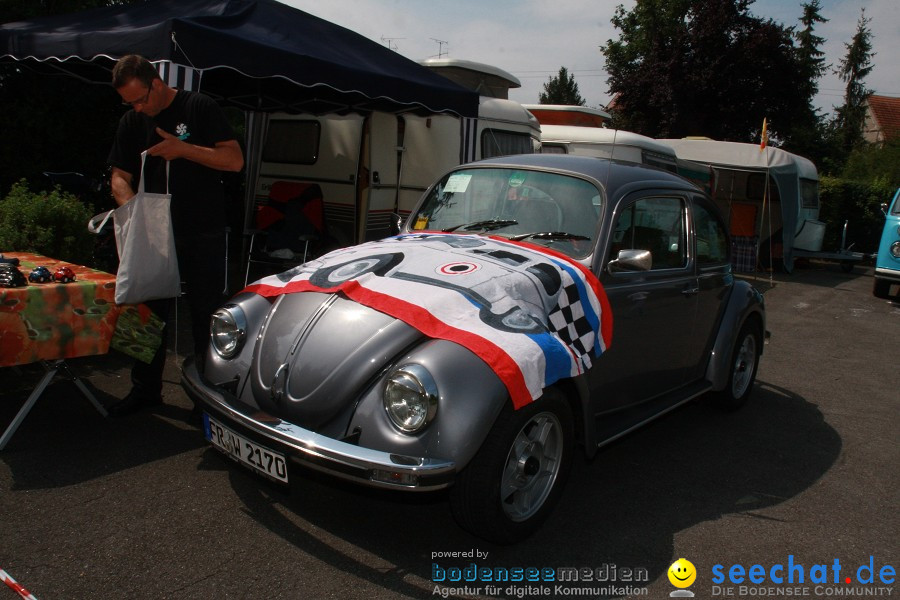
682	573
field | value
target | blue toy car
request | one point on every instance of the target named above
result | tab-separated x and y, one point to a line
887	264
40	275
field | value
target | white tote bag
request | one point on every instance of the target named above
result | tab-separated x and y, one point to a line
148	264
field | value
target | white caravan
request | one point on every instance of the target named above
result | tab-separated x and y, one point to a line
371	166
780	213
607	143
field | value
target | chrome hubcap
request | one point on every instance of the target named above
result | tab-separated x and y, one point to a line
531	467
744	363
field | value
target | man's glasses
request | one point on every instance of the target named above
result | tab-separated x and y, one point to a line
139	100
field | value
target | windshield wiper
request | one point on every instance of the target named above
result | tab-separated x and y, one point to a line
488	225
549	235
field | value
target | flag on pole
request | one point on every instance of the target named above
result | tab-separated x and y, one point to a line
764	136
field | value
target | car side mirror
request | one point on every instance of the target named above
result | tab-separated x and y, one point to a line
631	260
396	223
884	208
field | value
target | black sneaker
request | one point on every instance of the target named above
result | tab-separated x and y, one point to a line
133	403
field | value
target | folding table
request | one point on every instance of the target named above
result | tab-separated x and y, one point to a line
51	322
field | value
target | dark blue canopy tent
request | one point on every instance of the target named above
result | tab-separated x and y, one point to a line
259	55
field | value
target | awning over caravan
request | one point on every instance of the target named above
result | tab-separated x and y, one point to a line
742	156
259	55
789	171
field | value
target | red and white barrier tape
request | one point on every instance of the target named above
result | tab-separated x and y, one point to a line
14	586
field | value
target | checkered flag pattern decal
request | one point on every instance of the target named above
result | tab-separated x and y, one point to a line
569	322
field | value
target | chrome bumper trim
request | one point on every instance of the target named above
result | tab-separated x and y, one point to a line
313	450
892	274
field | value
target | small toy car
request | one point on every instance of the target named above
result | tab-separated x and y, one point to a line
40	275
12	260
11	276
64	275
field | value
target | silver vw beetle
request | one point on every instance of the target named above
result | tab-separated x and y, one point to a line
346	366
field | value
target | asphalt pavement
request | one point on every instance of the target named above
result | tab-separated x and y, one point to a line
805	475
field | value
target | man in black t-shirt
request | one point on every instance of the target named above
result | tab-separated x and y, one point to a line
189	130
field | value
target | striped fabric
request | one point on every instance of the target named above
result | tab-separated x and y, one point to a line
179	76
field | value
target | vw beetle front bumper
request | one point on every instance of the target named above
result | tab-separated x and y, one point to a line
307	448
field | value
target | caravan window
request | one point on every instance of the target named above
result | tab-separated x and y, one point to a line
809	193
496	142
292	142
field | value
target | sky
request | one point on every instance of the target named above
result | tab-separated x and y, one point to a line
532	39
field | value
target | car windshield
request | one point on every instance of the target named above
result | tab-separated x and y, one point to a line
550	209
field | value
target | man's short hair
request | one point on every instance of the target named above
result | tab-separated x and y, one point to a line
131	66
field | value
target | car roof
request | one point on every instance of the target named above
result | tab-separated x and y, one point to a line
615	175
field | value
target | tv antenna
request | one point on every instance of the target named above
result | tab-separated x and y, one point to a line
389	42
441	43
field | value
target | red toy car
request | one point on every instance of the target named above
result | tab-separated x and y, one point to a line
64	275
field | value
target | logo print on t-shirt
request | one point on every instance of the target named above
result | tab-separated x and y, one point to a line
182	132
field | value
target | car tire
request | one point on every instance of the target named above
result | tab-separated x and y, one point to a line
881	288
742	367
511	485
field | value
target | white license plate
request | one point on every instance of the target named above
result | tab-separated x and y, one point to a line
259	458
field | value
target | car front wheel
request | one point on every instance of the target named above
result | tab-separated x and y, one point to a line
743	365
515	479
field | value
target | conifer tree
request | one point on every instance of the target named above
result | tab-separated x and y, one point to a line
853	69
561	89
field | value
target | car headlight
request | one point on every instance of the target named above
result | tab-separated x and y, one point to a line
895	249
410	398
228	330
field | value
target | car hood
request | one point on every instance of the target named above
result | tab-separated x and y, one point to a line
317	353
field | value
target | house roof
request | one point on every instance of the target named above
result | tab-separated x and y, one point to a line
885	111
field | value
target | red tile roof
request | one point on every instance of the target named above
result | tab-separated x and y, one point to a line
886	111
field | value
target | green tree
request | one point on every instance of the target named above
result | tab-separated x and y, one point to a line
854	67
702	67
561	89
875	163
809	51
808	133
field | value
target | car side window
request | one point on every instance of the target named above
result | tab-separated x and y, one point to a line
712	237
654	224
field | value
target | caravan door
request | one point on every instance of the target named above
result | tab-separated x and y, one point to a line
430	147
378	193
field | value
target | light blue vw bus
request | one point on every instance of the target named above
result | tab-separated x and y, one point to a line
887	265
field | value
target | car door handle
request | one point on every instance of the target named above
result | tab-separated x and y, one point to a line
690	291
